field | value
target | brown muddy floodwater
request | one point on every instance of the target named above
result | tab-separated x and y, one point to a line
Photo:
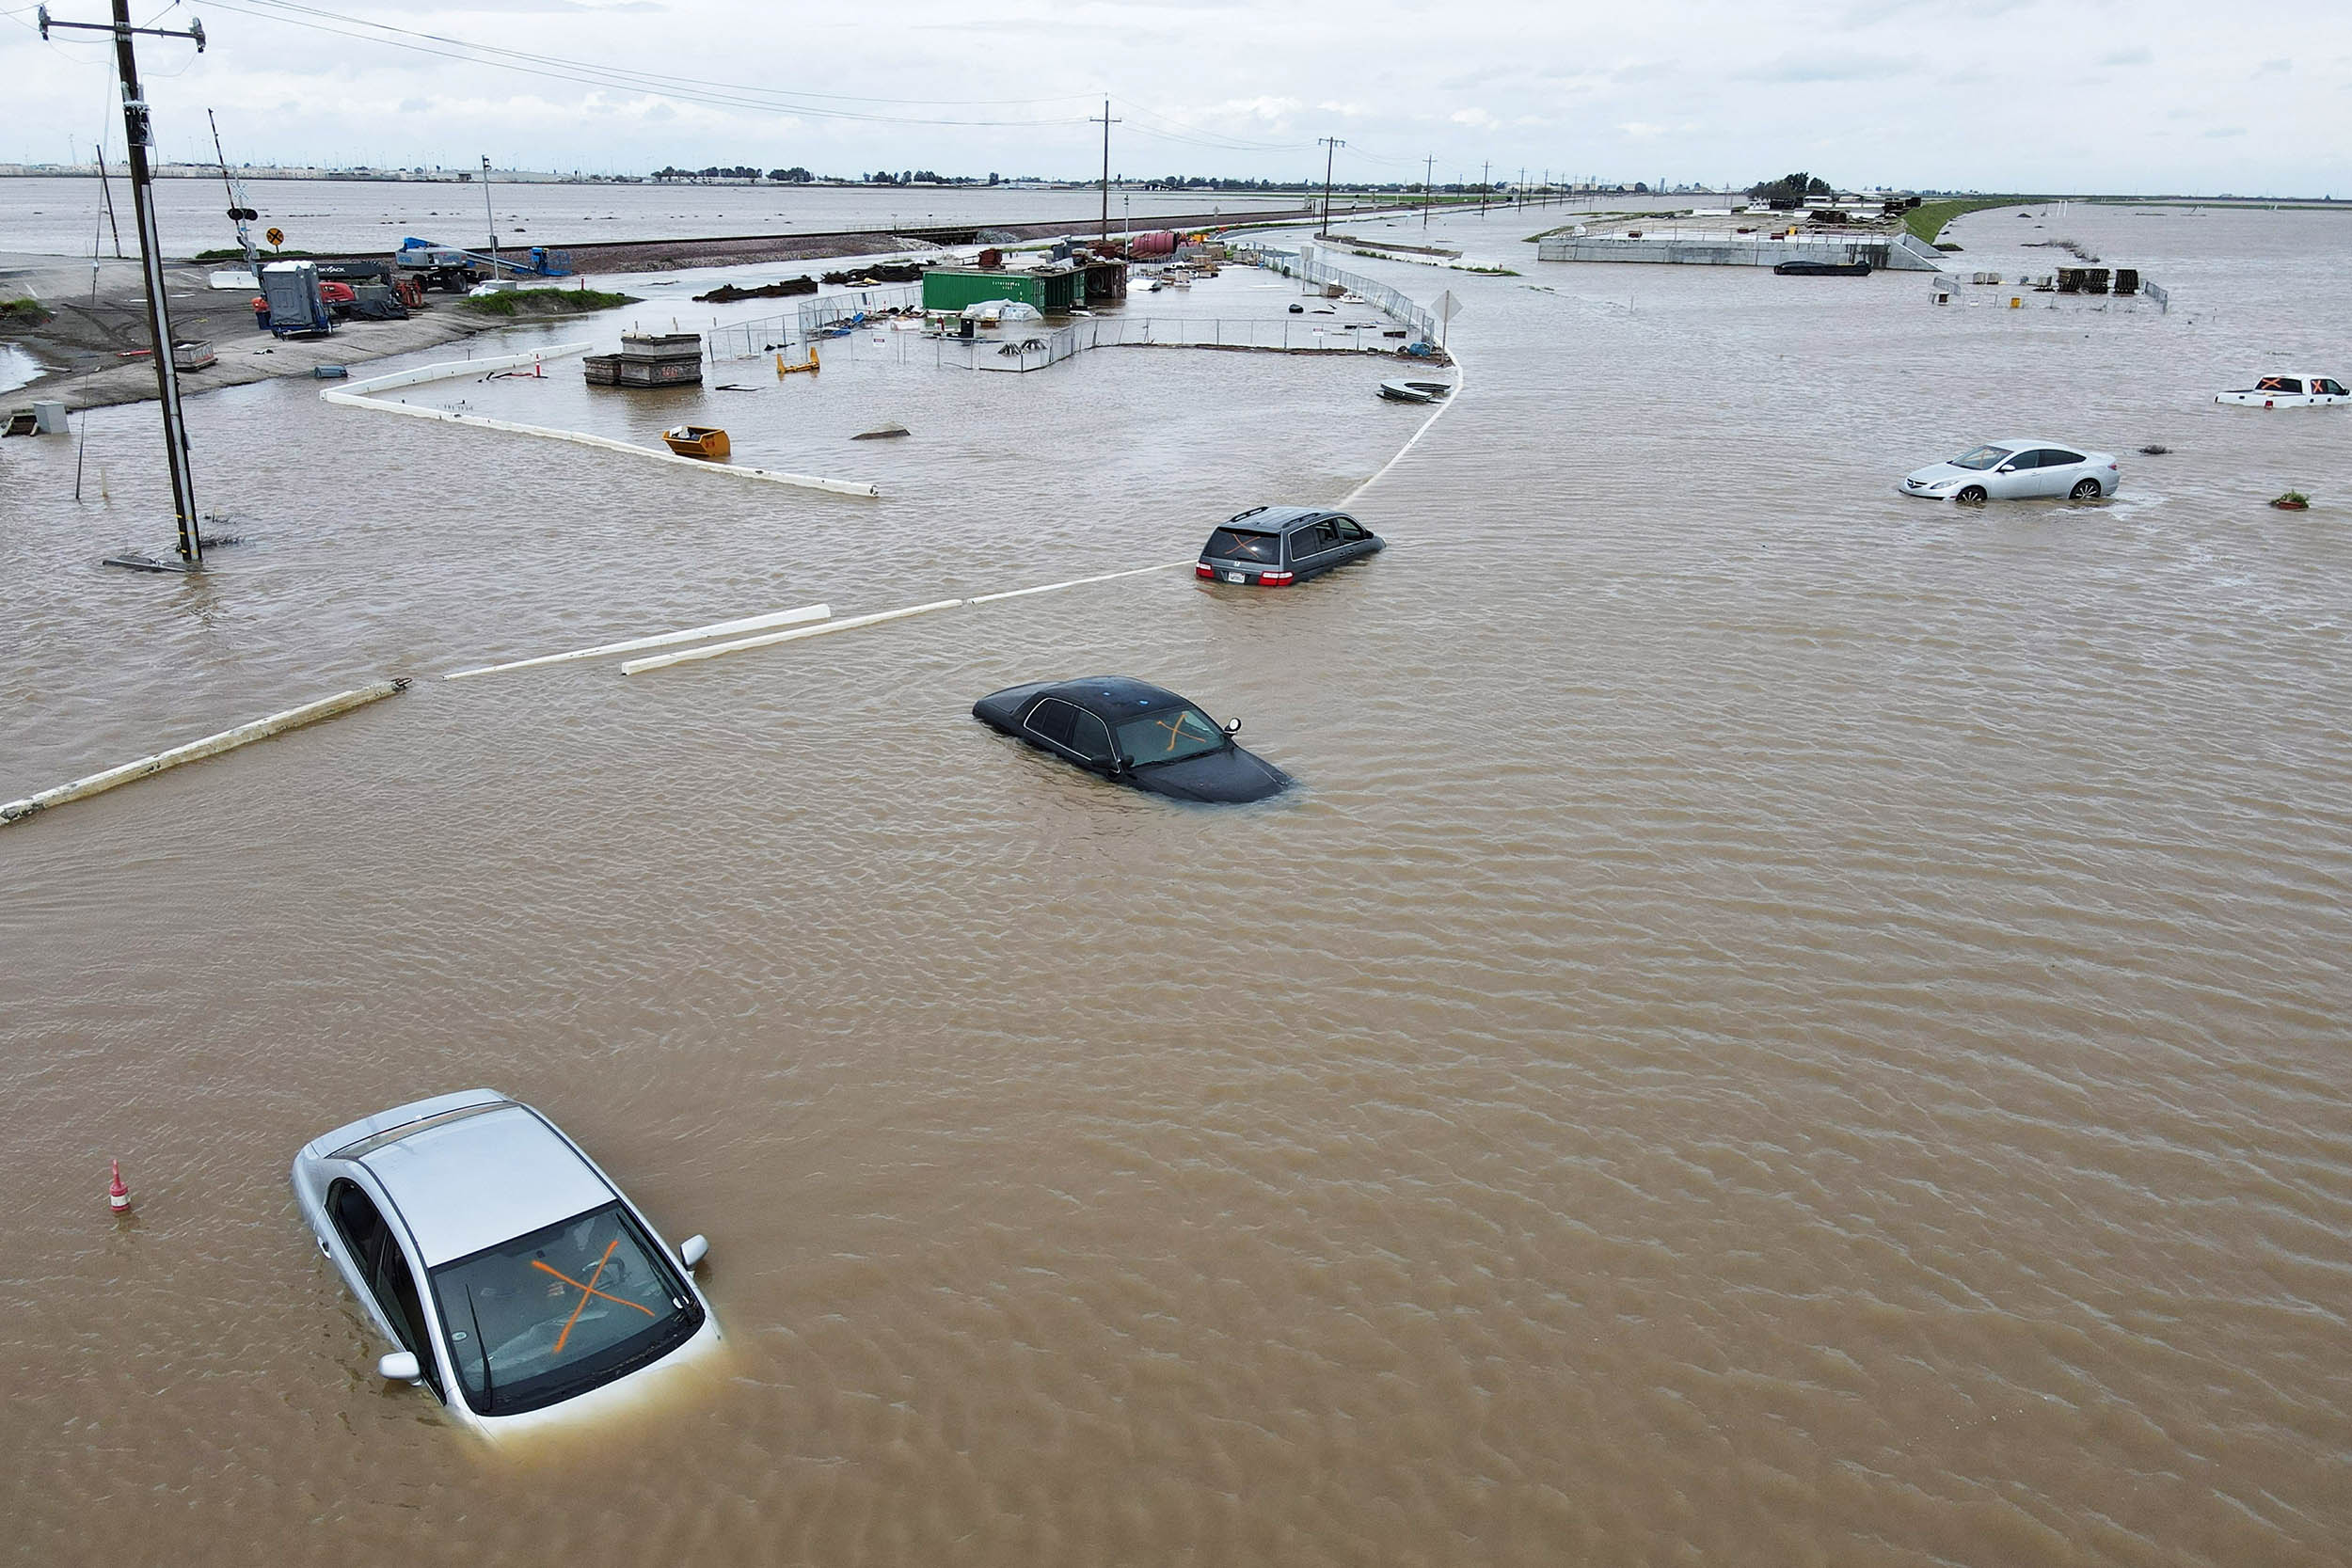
1784	1025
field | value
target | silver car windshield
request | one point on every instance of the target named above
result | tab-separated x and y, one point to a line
1980	459
1168	735
560	1311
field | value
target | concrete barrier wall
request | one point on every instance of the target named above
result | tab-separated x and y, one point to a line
1730	253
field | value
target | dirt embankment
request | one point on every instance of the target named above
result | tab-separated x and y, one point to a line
92	333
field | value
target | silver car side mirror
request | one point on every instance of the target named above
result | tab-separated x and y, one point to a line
399	1367
693	1250
1232	726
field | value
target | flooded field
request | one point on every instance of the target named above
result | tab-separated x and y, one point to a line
1784	1024
60	216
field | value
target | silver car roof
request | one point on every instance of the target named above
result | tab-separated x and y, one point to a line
477	1181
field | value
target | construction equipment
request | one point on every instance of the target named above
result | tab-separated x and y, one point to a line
457	269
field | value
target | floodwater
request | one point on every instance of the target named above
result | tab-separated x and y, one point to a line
1782	1025
66	216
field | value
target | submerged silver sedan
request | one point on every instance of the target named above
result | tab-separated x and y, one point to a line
510	1274
2010	470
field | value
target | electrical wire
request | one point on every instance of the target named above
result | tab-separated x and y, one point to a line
686	81
690	89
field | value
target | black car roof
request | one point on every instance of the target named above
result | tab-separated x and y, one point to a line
1114	697
1276	519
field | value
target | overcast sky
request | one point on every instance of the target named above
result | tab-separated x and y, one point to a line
2063	95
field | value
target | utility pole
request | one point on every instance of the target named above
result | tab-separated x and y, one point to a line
1331	146
1106	122
138	134
491	217
1486	184
108	192
239	213
1428	172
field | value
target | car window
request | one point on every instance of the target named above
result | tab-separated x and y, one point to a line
1241	544
557	1312
2333	388
1350	529
384	1268
2278	384
1053	720
1980	459
2058	457
1092	740
1169	736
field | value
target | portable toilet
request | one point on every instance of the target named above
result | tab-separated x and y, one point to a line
296	308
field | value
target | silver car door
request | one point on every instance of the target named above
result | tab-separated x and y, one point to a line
2061	470
2010	478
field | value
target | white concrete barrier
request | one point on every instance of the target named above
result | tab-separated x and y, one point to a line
1080	582
636	644
662	661
359	395
195	751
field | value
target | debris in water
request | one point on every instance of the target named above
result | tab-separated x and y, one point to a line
2154	451
728	293
881	432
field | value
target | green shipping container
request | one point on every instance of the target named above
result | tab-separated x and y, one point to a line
943	290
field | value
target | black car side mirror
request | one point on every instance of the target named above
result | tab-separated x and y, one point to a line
1232	726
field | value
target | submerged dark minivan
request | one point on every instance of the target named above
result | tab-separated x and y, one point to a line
1276	546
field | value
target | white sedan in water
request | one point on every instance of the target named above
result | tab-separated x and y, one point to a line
511	1275
2007	471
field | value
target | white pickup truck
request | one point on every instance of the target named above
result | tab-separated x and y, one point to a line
2287	391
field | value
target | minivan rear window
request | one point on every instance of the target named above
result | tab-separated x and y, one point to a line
1242	545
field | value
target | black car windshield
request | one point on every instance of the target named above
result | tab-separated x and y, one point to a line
1171	735
1981	459
1242	545
560	1311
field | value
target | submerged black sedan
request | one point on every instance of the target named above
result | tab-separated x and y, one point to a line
1135	734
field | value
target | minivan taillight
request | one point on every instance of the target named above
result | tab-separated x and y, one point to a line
1202	569
1275	579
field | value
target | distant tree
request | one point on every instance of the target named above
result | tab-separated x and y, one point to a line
1791	188
793	176
991	179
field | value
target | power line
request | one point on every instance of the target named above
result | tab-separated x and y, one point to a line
560	68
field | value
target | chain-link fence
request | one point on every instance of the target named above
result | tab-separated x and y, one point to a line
1041	349
814	318
1313	269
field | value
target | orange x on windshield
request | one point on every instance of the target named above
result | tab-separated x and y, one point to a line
585	1292
1175	728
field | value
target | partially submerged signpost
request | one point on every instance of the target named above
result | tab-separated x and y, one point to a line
141	137
1445	307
